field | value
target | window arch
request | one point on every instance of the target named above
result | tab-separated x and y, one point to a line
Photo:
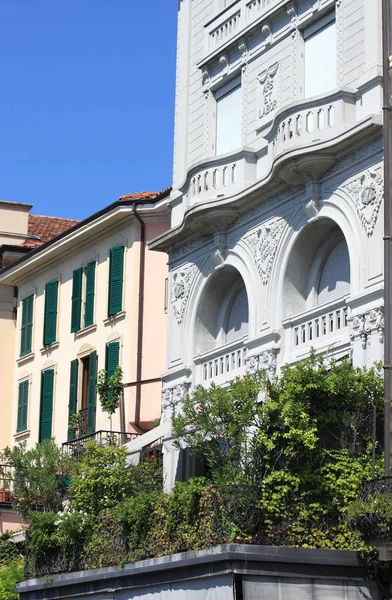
318	270
334	280
223	313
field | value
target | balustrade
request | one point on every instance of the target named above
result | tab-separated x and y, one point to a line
313	330
223	367
312	121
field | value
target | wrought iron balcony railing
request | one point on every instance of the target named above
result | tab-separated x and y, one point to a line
101	438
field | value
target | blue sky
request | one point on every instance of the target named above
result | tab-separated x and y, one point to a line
86	101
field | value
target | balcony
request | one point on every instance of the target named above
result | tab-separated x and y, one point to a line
221	364
235	19
309	124
102	438
220	176
322	327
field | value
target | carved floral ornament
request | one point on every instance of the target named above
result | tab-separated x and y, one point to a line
367	191
363	325
265	361
263	243
171	400
182	280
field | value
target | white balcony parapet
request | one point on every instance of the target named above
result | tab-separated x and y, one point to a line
315	329
311	121
224	31
220	176
221	365
320	327
236	17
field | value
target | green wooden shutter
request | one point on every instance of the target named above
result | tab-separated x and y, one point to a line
116	272
91	392
76	299
23	396
50	317
112	357
73	392
27	326
47	383
90	292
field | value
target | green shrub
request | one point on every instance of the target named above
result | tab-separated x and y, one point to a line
55	542
8	551
35	476
10	575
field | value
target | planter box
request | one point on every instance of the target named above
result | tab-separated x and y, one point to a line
228	572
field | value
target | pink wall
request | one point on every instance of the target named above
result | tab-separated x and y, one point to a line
154	330
10	521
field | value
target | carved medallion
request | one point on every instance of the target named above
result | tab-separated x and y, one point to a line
367	193
264	243
180	289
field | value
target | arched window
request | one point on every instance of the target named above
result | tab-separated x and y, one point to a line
238	316
335	275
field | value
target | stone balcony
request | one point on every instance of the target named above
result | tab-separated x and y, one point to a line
220	176
309	124
324	327
237	18
221	364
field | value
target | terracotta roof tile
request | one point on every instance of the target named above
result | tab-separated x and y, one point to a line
45	229
139	195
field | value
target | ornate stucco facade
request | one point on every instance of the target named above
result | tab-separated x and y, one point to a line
276	239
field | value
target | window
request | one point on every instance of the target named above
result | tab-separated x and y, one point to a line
112	357
27	326
320	57
335	274
73	393
50	316
23	396
237	320
83	289
87	407
228	117
116	272
46	411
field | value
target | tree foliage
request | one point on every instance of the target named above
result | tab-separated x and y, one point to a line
289	454
36	481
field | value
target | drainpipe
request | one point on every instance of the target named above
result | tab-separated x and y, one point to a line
140	319
386	16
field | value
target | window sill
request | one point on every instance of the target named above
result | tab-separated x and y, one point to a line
86	330
24	359
22	435
113	318
50	347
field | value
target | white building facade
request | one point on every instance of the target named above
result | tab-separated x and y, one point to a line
276	239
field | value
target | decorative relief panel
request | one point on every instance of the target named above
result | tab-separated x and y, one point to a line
363	325
367	193
266	361
182	280
269	80
263	243
172	398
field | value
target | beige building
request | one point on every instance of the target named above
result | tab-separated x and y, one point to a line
20	232
89	299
